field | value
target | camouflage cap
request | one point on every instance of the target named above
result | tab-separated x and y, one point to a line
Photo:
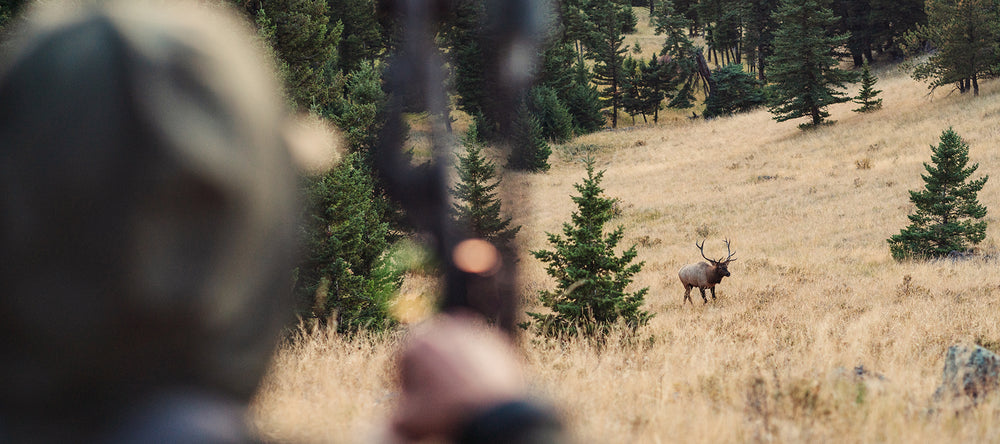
147	205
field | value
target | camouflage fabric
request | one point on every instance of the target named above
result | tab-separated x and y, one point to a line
147	211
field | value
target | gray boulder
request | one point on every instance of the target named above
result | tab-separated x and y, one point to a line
970	374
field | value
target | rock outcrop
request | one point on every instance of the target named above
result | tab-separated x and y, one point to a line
970	374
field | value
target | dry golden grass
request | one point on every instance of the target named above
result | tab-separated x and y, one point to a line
814	288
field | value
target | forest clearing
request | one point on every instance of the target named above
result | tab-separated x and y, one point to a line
171	175
814	296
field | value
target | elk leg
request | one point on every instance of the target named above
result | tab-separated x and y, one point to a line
687	295
713	293
703	295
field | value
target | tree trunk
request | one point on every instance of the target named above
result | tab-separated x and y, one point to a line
614	104
859	59
975	85
760	69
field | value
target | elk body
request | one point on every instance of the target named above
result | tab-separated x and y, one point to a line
705	274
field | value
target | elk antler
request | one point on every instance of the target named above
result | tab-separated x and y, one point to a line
728	258
701	248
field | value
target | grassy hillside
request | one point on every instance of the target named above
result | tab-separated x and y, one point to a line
814	290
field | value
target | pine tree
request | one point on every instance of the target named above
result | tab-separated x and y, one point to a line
463	37
477	206
529	151
608	52
583	102
591	279
724	23
759	38
651	92
948	217
559	71
735	92
866	97
553	117
855	21
306	42
362	35
359	113
965	35
891	20
631	82
345	276
804	67
678	74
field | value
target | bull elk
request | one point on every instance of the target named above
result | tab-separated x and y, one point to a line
705	275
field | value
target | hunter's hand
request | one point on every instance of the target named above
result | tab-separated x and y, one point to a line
452	368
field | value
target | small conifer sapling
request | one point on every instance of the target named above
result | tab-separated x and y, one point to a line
477	206
866	97
591	279
948	218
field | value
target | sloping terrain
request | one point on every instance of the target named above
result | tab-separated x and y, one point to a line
813	295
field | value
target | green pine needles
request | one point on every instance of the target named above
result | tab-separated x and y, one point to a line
477	206
804	72
529	151
866	97
591	279
346	276
948	218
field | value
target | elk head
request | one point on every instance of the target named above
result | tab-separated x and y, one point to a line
721	266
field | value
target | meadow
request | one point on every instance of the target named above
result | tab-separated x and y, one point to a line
814	293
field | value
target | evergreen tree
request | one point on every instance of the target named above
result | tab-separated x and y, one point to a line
307	44
361	33
804	70
759	38
557	69
529	151
463	38
575	25
651	92
631	82
891	20
735	91
591	279
948	217
560	71
866	97
965	35
641	90
687	9
359	113
583	102
608	52
360	116
724	20
856	22
477	206
345	275
678	71
553	117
